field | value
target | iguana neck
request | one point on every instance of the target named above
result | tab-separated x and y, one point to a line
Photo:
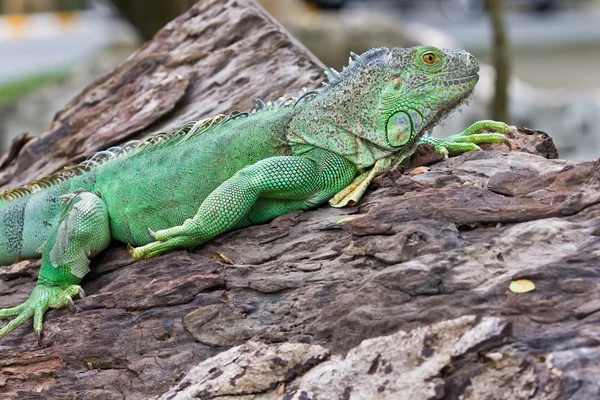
327	121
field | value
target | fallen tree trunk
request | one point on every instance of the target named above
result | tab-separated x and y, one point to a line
421	266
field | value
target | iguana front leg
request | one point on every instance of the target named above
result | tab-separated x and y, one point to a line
459	143
468	139
82	232
351	194
257	193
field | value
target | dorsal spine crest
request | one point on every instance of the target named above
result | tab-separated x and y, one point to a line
187	131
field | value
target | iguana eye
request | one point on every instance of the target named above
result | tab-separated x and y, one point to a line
429	58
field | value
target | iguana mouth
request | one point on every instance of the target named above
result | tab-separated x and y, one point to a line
458	80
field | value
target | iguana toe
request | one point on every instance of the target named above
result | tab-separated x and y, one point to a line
158	247
469	139
486	126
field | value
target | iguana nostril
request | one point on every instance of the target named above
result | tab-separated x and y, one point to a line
472	62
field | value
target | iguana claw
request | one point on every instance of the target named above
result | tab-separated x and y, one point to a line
152	233
72	306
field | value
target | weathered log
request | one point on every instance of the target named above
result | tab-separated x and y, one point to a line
421	266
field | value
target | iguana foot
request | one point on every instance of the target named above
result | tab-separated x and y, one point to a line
158	247
42	298
169	239
469	138
351	194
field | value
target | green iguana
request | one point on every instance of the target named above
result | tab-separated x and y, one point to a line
180	189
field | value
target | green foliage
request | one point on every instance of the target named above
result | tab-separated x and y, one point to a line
12	91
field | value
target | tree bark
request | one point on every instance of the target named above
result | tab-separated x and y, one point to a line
421	266
149	16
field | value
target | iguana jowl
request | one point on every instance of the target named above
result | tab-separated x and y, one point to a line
180	189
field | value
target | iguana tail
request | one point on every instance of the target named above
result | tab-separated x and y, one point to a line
26	223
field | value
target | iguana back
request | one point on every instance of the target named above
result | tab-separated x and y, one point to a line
161	186
156	185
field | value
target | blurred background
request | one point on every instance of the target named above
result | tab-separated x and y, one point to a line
546	53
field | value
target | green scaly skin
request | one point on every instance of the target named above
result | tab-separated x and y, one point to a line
201	182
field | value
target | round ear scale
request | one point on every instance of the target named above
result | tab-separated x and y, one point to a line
398	129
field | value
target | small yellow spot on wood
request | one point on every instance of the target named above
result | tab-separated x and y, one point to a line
419	170
556	372
222	257
345	219
521	286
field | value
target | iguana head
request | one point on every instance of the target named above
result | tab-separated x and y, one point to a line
423	86
386	99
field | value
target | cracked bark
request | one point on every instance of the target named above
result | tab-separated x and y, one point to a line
424	252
